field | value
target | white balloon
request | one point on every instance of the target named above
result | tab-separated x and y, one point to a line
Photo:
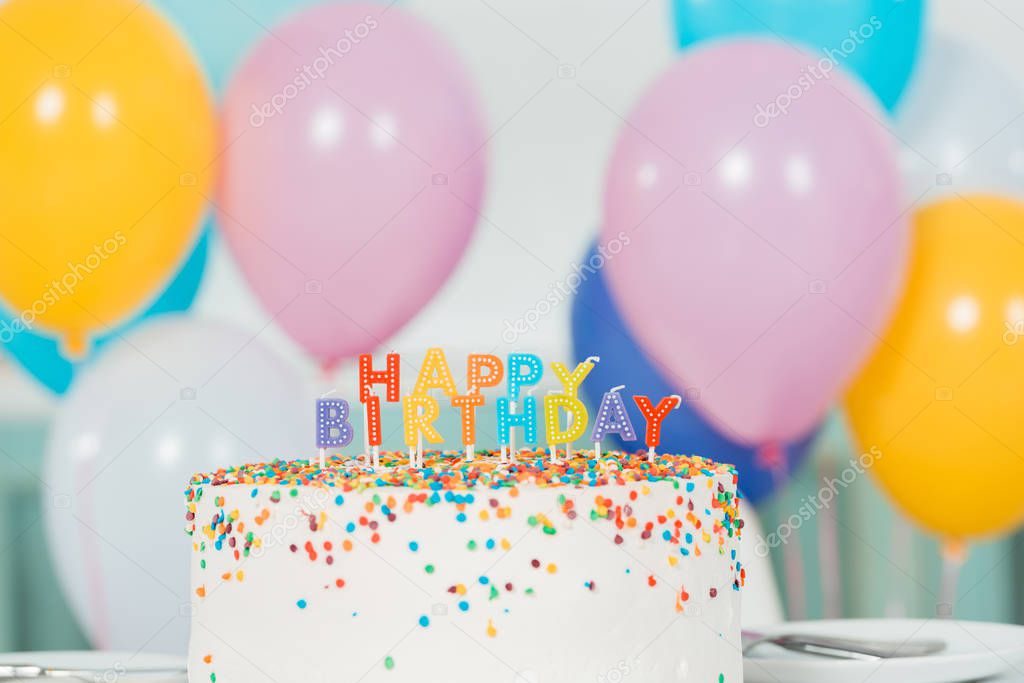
962	125
177	397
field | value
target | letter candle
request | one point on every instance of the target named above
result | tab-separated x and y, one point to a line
576	411
369	449
333	430
654	416
419	413
467	405
514	452
420	408
551	429
517	379
391	378
509	420
612	418
576	421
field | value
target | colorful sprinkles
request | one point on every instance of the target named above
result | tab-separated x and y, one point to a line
449	471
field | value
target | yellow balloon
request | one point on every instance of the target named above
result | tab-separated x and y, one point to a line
107	130
943	397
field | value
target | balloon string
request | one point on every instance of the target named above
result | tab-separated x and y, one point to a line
93	571
954	555
828	552
901	541
773	456
793	565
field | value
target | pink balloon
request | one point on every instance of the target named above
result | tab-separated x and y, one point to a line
767	243
353	173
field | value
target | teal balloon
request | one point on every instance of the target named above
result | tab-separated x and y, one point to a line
876	39
40	355
222	31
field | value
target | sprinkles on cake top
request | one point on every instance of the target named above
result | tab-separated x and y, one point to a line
449	470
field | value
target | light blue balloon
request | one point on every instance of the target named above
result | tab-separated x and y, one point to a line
221	32
40	355
876	39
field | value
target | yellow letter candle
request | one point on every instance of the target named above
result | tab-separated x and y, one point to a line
576	412
571	381
435	374
576	421
420	413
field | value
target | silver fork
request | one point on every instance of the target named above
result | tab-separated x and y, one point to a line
844	648
18	671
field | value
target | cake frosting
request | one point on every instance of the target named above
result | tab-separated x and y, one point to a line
532	571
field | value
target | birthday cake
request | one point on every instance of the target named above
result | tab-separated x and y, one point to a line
524	565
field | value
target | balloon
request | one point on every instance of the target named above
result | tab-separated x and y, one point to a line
356	167
757	261
102	193
177	397
960	125
876	39
40	356
598	329
941	397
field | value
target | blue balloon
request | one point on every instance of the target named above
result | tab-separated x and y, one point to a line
598	330
40	355
876	39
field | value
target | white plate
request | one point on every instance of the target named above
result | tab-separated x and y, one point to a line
974	650
110	666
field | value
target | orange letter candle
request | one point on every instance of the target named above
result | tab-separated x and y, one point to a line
654	416
371	402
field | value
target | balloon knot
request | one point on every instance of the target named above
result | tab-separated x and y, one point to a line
327	367
954	550
74	344
770	456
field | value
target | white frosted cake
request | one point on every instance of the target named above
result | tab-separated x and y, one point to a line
587	570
